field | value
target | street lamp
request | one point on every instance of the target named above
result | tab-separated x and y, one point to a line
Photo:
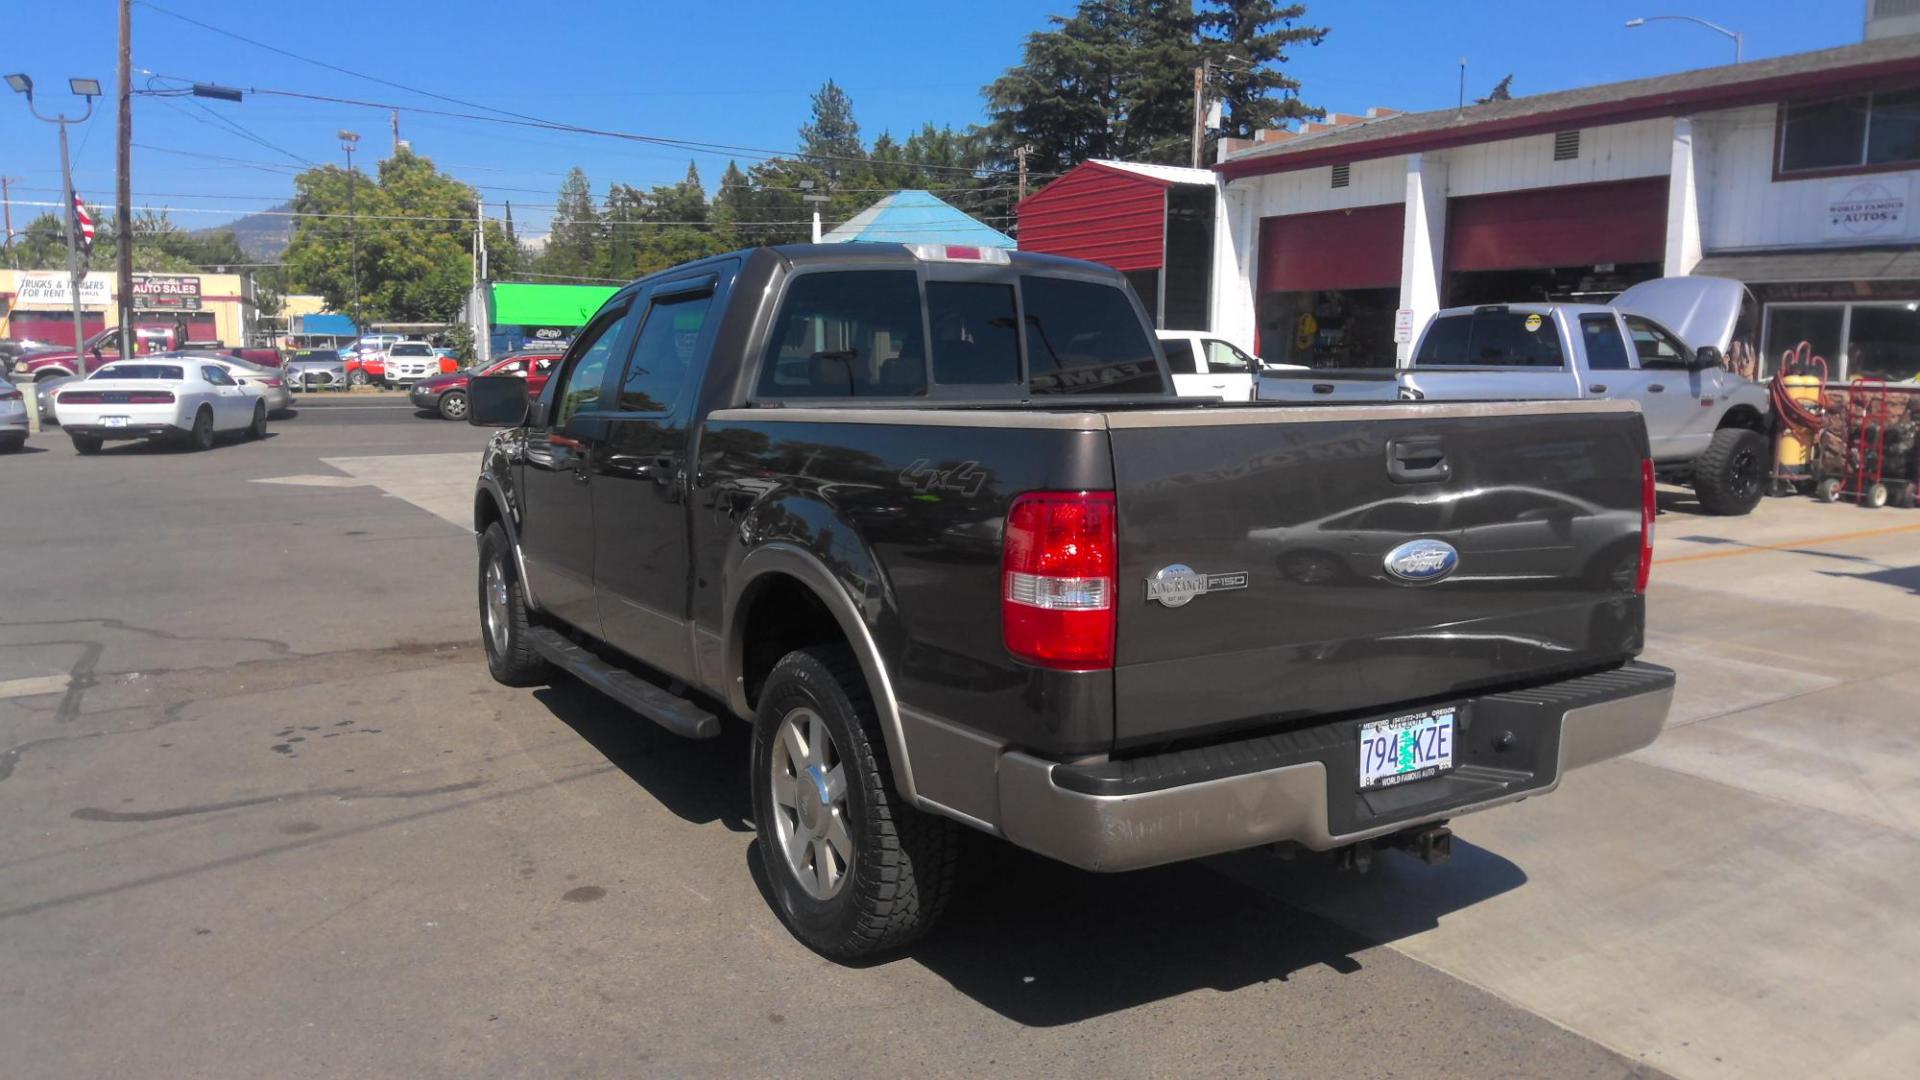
1739	40
76	270
347	141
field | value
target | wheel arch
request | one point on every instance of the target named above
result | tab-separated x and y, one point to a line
1743	416
490	505
767	582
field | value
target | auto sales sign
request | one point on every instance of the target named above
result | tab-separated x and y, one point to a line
166	292
1867	208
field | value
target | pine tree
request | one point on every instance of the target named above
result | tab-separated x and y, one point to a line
573	243
831	141
1248	41
1502	91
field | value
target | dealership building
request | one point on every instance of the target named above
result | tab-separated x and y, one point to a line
38	305
1796	175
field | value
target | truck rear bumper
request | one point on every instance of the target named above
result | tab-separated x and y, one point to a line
1300	785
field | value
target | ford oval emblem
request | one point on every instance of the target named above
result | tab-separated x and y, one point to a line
1422	561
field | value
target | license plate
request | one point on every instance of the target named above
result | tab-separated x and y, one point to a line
114	421
1403	749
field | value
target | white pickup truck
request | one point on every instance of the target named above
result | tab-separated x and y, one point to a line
1660	344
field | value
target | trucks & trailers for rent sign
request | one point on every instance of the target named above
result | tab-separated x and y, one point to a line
51	289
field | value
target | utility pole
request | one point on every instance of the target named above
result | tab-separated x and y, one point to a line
6	201
1463	86
396	133
1200	109
123	185
347	140
1020	155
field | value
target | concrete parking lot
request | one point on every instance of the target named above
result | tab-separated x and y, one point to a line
268	816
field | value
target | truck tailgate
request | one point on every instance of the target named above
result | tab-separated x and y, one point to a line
1283	519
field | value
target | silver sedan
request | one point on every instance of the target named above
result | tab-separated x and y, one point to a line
44	392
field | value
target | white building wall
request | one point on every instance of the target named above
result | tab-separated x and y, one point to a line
1615	152
1309	191
1743	207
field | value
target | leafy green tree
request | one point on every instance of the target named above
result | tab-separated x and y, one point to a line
415	231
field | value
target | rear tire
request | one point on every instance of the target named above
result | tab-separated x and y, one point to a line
453	405
258	429
890	869
201	437
12	445
85	444
511	657
357	378
1730	478
1876	496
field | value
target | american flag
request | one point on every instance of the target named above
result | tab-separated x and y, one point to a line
85	221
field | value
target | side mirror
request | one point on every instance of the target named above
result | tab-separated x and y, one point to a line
497	401
1705	358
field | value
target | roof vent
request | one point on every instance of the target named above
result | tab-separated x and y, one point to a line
1566	146
1342	175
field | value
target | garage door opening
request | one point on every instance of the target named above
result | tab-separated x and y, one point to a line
1329	285
1582	243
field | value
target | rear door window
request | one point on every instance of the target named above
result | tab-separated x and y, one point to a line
1084	337
1180	359
847	333
1606	349
1492	339
974	343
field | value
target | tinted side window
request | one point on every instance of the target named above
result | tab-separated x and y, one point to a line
1606	350
1655	344
973	339
1493	339
1085	338
663	353
848	333
582	389
1180	356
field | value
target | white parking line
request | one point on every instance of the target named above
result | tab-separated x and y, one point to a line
41	684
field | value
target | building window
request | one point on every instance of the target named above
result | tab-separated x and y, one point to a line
1861	132
1873	340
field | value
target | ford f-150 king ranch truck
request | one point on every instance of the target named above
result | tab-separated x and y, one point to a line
1659	344
932	521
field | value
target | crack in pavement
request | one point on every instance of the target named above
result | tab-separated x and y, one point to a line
94	813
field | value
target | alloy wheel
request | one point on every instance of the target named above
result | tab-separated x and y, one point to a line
809	788
497	621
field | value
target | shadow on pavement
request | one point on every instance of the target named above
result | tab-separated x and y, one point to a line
1044	944
1900	577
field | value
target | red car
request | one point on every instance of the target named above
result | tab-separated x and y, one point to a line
446	394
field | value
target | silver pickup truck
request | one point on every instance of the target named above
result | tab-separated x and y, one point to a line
1659	344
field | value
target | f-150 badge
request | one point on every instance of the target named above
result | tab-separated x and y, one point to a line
1177	585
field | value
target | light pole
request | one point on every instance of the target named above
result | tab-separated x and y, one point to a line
76	270
1739	41
347	141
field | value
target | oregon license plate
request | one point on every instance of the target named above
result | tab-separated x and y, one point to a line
114	421
1402	749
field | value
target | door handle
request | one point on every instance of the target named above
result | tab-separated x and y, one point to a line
1655	388
1417	459
1598	388
1323	388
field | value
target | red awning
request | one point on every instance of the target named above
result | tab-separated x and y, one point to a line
1584	224
1338	249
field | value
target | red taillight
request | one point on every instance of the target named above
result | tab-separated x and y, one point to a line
79	397
1057	579
150	397
8	393
272	382
1649	508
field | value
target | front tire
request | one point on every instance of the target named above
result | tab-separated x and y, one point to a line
85	444
504	629
1731	476
357	378
854	870
258	429
453	405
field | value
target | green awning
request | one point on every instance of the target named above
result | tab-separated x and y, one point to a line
522	304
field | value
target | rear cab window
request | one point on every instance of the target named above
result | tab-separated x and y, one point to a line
1492	338
1083	337
847	333
1606	349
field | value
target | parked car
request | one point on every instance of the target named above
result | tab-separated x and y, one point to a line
365	368
410	361
1208	365
13	418
445	395
316	369
1659	344
100	349
175	397
1006	579
268	381
46	390
14	349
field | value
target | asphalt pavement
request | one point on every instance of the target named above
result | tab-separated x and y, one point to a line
269	816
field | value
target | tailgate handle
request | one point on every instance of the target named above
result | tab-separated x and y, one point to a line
1417	459
1323	388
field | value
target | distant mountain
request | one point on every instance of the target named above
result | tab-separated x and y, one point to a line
263	236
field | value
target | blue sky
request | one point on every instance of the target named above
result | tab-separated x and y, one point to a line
737	73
